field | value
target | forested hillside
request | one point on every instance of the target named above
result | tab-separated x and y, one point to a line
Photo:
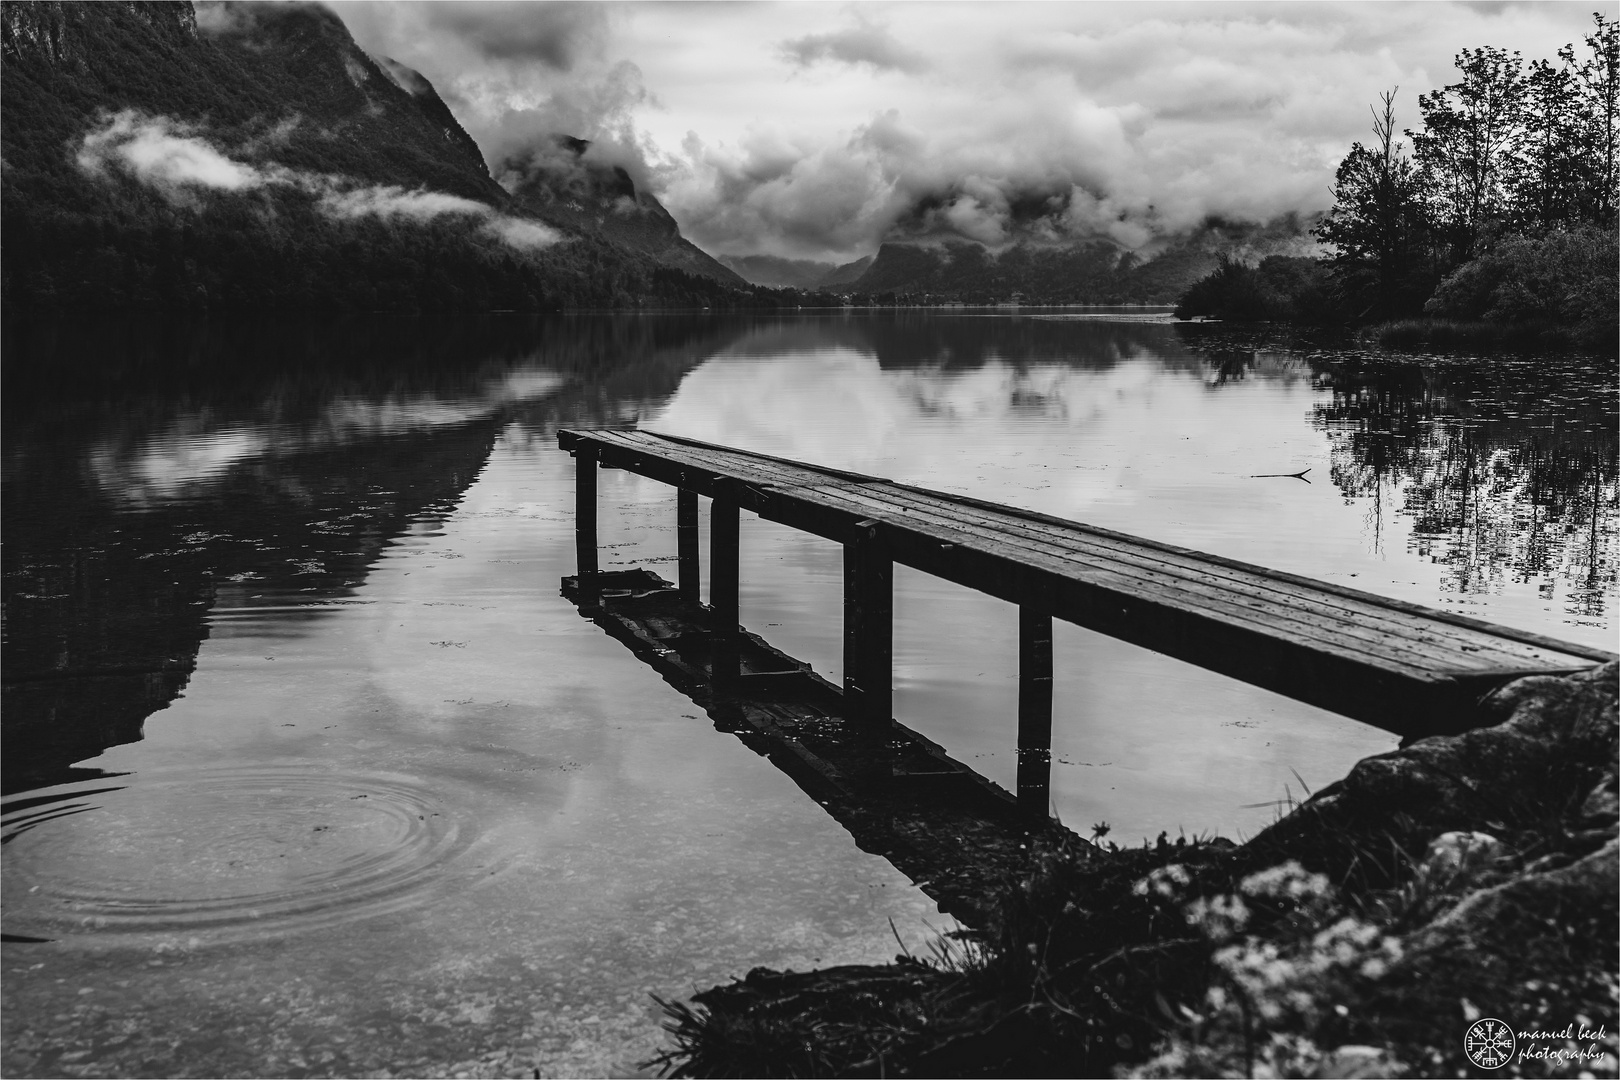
256	158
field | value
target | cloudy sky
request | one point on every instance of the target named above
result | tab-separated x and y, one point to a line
814	130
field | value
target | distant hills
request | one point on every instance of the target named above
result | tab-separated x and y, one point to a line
1096	272
953	270
253	156
782	273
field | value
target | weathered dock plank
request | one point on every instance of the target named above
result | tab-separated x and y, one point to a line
1400	666
1402	628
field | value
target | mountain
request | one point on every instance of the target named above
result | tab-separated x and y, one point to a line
971	273
248	156
568	189
776	272
1095	272
1167	275
779	273
846	274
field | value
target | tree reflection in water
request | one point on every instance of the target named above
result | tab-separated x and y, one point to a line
1505	467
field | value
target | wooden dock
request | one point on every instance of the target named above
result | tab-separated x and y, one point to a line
1401	667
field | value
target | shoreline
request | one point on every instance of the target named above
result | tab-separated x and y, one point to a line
1361	935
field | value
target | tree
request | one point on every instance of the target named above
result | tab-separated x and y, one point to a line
1545	172
1282	288
1596	83
1563	169
1378	229
1464	152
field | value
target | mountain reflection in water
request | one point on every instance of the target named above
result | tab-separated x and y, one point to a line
162	477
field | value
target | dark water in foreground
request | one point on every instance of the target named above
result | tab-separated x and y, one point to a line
310	770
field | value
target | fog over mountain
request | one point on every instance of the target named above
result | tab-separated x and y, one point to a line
818	131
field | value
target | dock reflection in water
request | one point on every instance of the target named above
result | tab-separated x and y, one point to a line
252	575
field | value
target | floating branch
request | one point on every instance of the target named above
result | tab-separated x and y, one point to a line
1296	475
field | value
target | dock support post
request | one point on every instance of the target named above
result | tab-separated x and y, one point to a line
1034	709
868	628
585	526
686	543
724	556
724	553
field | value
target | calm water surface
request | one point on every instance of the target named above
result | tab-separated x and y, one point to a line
310	770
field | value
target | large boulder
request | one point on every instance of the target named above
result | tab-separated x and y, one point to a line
1546	763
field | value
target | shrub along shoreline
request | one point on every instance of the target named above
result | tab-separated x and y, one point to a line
1455	878
1559	290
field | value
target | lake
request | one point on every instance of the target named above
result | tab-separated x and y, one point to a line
310	770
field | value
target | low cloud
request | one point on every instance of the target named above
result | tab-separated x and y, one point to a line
863	43
890	180
522	233
275	137
1058	126
599	110
164	154
519	75
218	18
397	202
820	130
559	36
177	161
